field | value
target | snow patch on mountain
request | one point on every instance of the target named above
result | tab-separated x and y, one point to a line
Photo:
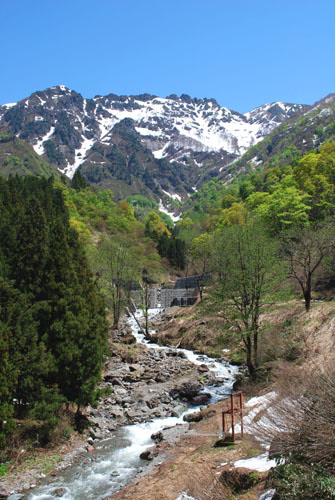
162	208
160	153
10	104
80	155
38	147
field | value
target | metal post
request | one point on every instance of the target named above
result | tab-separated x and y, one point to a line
235	398
223	425
232	419
241	406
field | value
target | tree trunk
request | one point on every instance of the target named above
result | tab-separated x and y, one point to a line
250	365
255	335
147	324
308	296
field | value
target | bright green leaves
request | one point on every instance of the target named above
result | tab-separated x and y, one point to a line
286	207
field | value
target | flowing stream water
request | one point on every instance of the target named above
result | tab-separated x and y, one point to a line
115	461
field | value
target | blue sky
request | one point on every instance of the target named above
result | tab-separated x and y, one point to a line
243	53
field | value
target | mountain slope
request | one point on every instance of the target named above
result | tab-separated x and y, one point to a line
297	135
18	158
196	138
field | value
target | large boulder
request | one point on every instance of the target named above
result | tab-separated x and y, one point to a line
201	399
187	390
147	454
193	417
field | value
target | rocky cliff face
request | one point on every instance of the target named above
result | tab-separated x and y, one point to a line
162	147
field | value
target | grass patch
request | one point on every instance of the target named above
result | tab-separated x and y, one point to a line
4	468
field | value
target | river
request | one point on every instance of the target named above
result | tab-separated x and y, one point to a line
115	462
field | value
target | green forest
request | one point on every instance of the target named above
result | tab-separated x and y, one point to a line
61	250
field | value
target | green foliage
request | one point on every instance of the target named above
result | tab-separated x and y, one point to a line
140	201
168	245
245	261
7	380
286	207
18	158
302	482
3	469
289	190
52	317
201	251
78	182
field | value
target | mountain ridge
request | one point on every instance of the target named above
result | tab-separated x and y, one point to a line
294	137
195	138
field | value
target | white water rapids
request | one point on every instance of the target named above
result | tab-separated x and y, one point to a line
115	461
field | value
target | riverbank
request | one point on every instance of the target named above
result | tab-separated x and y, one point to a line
194	464
144	383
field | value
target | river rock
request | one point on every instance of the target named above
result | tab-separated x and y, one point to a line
117	412
157	436
89	448
193	417
201	399
176	353
59	492
203	368
133	414
178	410
128	339
113	380
146	455
4	491
187	390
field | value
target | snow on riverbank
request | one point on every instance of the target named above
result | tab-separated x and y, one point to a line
184	496
260	463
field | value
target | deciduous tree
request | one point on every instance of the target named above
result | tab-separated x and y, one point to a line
305	251
246	267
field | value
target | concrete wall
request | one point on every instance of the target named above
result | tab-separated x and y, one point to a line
170	297
185	292
137	297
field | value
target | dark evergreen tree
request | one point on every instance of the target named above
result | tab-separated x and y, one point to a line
78	182
7	379
52	316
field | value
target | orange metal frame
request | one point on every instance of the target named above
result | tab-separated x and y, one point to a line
236	408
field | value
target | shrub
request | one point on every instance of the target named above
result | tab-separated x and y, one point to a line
301	482
301	424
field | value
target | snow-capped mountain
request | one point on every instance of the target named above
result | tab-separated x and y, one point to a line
307	131
164	145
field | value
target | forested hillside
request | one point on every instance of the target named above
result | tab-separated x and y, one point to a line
52	316
298	191
18	158
67	258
